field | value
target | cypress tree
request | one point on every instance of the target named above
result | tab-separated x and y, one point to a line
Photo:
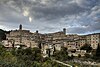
98	51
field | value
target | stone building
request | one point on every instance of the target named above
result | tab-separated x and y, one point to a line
71	45
81	42
22	37
7	43
55	38
95	40
88	39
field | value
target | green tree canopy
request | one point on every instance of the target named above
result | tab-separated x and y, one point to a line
86	47
98	51
61	55
2	34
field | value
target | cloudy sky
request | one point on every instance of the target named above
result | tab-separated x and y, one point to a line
77	16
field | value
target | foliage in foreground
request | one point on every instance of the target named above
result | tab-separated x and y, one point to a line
30	57
62	55
96	56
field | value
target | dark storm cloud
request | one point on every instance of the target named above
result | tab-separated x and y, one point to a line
56	12
45	11
51	15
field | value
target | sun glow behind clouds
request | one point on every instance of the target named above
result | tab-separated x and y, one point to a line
25	13
30	19
44	1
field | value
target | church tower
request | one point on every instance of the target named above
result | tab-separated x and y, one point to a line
64	30
20	27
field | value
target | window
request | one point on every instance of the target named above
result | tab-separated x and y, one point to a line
96	41
93	41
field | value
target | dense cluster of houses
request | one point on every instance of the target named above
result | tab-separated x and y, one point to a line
52	41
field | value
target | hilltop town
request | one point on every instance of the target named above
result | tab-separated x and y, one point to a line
58	48
49	33
53	41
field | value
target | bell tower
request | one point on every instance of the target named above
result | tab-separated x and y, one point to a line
20	27
64	30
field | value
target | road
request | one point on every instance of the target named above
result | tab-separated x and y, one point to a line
92	63
81	62
63	63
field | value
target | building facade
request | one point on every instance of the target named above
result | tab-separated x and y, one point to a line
22	37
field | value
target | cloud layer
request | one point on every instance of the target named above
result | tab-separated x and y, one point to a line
77	16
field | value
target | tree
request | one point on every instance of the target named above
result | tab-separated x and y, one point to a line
39	45
79	56
87	55
72	56
29	54
98	51
86	47
61	55
2	34
2	49
48	52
